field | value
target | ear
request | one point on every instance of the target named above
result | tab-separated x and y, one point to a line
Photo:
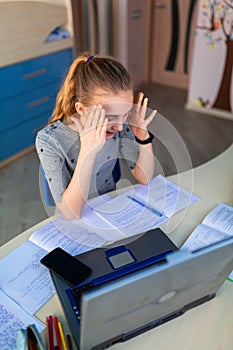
79	107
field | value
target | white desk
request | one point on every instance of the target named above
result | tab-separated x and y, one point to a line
209	326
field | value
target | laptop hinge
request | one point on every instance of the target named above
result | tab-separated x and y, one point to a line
199	301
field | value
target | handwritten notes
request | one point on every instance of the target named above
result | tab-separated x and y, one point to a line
74	236
12	319
143	207
24	279
128	217
165	196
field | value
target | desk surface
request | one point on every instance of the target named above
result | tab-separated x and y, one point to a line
209	326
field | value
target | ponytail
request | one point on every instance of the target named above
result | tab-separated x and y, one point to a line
66	98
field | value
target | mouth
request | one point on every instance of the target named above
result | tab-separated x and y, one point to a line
110	134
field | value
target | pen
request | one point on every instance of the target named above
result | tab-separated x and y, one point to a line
154	211
54	337
59	344
51	340
68	338
47	334
62	336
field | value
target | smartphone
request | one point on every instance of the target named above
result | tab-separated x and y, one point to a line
66	266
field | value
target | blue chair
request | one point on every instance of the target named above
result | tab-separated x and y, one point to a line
47	193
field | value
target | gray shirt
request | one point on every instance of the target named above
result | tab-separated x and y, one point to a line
58	148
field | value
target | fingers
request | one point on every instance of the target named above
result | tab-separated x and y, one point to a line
141	105
95	116
139	117
89	117
98	117
151	117
102	128
102	122
139	98
96	122
138	102
144	106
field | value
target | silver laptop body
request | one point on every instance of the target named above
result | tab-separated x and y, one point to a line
127	306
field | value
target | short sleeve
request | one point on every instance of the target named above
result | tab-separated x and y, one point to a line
53	163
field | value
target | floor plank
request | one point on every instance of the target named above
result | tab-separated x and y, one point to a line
20	200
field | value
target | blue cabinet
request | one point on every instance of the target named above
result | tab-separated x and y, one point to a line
27	96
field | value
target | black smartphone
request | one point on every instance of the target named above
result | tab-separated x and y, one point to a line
66	266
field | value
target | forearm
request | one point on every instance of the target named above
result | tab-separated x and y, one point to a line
144	168
75	196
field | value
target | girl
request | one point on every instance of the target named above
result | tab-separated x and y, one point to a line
88	132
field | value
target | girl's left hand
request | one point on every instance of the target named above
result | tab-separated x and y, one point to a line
136	118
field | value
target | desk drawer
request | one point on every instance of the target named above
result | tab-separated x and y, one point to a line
28	75
21	137
25	107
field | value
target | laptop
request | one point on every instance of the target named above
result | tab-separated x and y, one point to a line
139	284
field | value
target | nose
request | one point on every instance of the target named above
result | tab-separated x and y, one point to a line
118	124
117	127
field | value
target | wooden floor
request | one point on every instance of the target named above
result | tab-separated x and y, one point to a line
201	137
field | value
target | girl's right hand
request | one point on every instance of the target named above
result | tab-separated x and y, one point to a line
93	132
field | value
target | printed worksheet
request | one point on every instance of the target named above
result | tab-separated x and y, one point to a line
216	226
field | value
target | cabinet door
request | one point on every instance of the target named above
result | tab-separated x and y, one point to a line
22	108
32	74
27	99
173	28
22	136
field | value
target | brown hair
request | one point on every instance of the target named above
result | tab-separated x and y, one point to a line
86	75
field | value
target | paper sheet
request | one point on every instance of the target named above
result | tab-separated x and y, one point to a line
12	319
216	226
202	236
74	236
165	196
25	279
143	207
221	218
129	217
